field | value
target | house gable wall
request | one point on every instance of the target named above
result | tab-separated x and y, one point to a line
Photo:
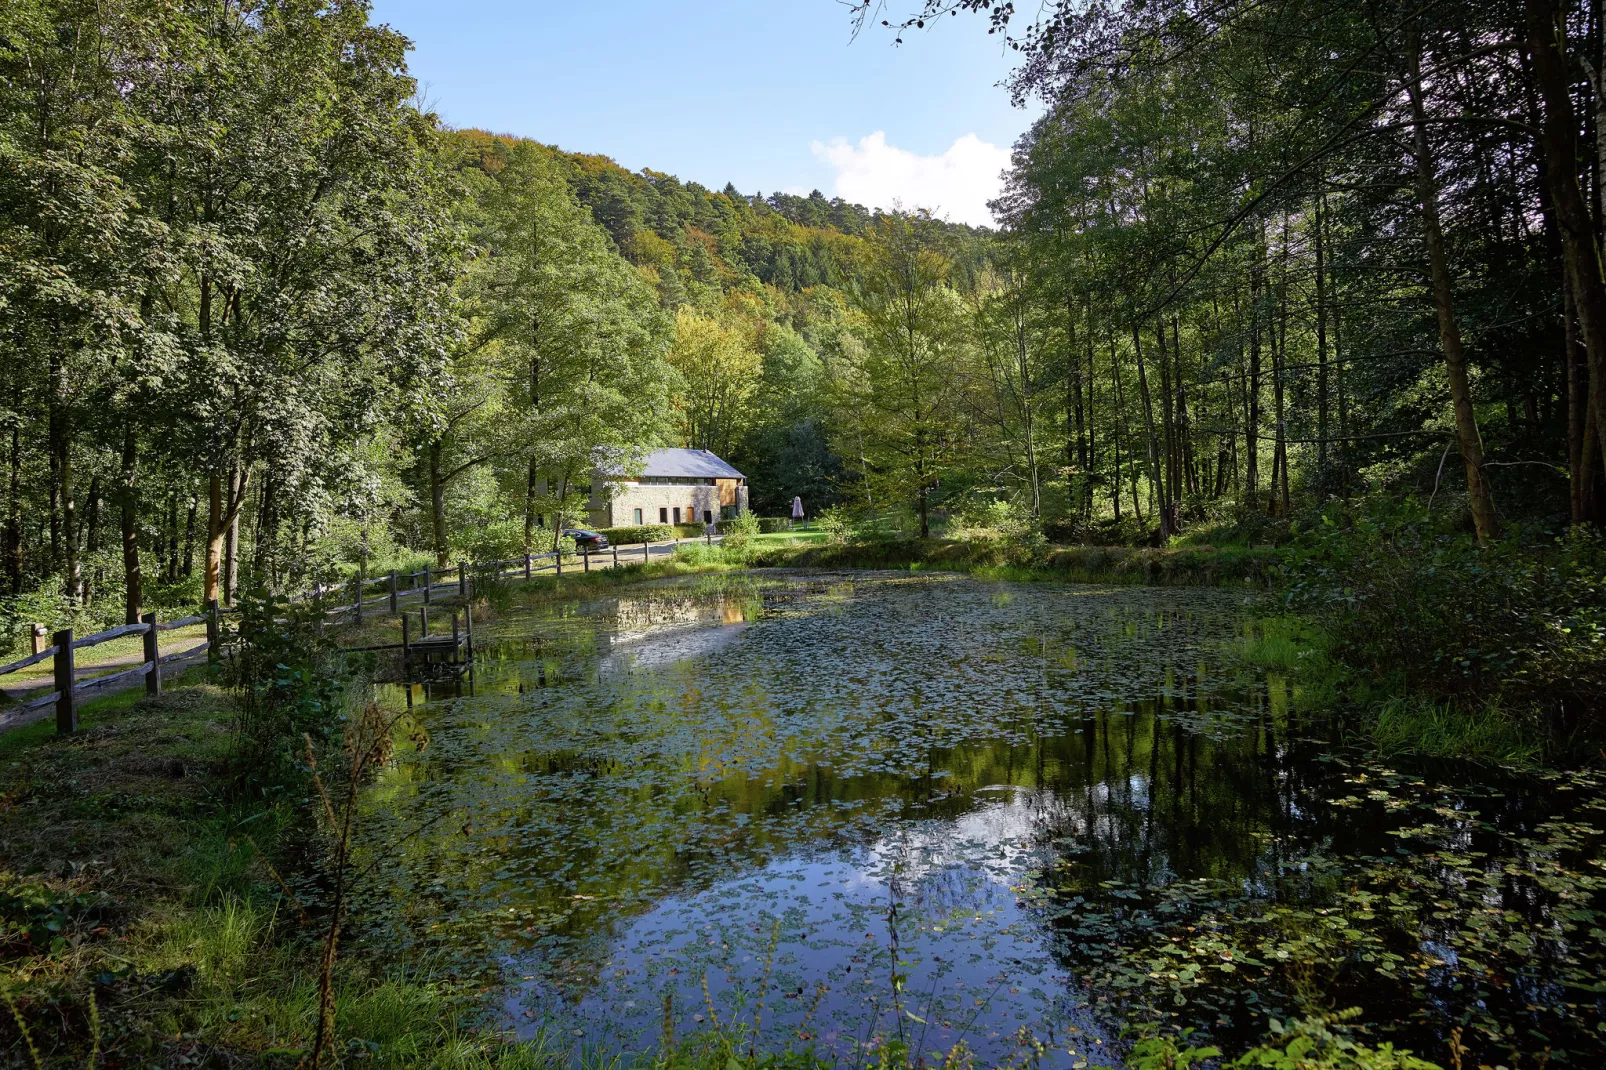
693	501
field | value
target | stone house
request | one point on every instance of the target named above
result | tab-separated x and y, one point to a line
671	487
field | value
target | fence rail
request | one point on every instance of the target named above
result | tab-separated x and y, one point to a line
69	690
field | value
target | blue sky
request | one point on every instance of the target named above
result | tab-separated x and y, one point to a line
768	94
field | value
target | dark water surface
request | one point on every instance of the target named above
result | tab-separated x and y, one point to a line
844	809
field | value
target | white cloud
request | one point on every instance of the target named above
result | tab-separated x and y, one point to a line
956	185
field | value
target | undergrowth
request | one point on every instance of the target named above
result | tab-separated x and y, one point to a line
1024	561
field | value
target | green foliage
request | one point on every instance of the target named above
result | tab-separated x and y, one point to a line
852	548
1405	600
1318	1043
291	685
499	540
645	533
836	522
739	531
41	917
996	518
703	555
1478	730
1159	1051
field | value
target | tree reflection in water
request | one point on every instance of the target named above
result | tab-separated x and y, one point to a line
884	805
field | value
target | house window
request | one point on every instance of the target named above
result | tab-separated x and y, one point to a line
708	516
638	518
677	514
663	515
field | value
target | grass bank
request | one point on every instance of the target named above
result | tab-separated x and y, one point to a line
143	920
1191	565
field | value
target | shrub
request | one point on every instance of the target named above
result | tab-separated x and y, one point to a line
993	519
290	679
497	540
623	536
739	530
836	524
1436	613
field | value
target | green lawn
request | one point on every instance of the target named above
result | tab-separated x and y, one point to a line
789	538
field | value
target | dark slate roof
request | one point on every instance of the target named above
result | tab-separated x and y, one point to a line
698	463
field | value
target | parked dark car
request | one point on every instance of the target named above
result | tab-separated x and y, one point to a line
588	542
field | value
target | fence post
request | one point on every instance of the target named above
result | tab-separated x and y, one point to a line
468	622
462	579
427	585
39	634
66	709
211	630
558	557
456	640
407	641
358	600
646	554
585	560
615	550
153	657
393	590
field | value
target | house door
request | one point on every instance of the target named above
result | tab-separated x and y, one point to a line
677	514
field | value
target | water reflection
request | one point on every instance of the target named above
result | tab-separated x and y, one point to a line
870	807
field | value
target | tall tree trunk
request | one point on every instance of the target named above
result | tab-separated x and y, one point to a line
1118	431
1252	386
1321	336
1577	410
1279	356
1484	520
1168	440
92	528
222	512
529	505
1186	460
1075	425
189	536
1028	405
128	499
215	524
1092	433
437	504
64	506
170	574
13	534
1155	481
231	540
1547	43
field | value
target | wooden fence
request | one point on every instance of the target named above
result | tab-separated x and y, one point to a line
69	691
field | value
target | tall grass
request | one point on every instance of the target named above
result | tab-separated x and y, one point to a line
1478	731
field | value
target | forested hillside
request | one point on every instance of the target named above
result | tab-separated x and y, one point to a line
269	335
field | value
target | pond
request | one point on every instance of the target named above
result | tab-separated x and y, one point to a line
838	810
